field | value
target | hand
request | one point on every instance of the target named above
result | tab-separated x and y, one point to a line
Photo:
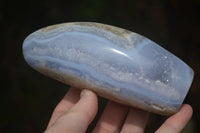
73	115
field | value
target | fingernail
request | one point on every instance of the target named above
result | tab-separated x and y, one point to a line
85	93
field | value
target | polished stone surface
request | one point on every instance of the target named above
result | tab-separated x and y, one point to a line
115	63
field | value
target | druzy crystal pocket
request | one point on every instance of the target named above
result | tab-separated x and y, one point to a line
117	64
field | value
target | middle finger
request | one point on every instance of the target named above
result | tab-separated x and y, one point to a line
112	118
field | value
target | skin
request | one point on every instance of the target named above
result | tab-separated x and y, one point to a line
78	108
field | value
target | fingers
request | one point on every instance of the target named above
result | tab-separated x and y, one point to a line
74	115
135	121
65	104
111	119
177	122
77	118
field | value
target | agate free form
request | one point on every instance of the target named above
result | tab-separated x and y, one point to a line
115	63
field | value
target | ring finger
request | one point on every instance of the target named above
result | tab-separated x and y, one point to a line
135	121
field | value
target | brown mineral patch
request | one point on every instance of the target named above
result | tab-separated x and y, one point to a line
115	30
49	28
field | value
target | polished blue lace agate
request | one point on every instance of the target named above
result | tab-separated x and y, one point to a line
117	64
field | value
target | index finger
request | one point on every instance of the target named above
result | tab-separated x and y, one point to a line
65	104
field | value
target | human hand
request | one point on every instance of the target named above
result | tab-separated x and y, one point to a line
74	113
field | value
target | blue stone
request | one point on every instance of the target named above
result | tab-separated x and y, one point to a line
117	64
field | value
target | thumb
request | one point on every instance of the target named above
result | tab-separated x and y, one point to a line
77	119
